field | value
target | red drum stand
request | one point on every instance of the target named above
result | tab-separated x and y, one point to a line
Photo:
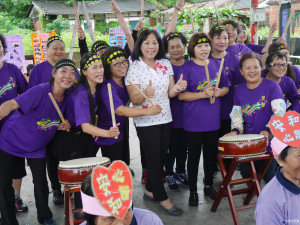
253	183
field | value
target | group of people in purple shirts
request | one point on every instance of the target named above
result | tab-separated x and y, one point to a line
181	121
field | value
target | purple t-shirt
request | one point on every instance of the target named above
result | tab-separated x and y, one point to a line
29	129
289	90
238	50
297	73
256	104
255	48
200	115
175	103
279	202
120	97
231	66
42	73
12	83
78	107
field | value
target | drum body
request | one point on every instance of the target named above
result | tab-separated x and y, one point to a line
244	145
73	172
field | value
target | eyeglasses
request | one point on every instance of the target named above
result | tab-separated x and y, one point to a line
278	65
119	64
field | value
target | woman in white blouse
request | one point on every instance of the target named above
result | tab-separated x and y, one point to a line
154	76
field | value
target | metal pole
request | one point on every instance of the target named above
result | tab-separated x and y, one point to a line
254	33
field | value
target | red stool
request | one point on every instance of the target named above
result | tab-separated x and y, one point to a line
253	183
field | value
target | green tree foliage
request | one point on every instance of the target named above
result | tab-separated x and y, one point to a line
200	15
16	8
58	24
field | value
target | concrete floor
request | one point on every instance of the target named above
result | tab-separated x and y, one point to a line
192	215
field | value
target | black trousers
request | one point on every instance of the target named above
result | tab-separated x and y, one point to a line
52	168
7	196
177	150
154	141
143	158
195	141
114	152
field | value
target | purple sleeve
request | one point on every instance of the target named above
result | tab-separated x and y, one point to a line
82	109
105	98
224	81
34	77
255	48
297	73
276	92
30	99
292	95
185	72
237	76
22	84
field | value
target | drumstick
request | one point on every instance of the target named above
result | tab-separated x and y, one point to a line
76	13
143	94
112	108
278	11
287	24
192	20
57	108
208	82
218	15
219	77
142	8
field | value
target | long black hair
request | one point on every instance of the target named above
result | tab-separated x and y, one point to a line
83	80
3	41
106	65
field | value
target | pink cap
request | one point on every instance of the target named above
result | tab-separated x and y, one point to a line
277	146
91	206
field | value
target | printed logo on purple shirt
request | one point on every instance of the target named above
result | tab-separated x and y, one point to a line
248	110
45	124
227	70
204	84
7	87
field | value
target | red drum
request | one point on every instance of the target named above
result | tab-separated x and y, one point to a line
244	145
73	172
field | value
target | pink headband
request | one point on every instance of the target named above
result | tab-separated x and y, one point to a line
277	146
91	206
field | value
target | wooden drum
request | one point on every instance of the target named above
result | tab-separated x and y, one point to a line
73	172
244	145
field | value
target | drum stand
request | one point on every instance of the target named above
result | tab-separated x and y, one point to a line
253	183
69	219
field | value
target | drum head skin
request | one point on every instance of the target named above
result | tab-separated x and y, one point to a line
244	145
73	172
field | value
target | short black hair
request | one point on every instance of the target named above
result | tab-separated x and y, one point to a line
284	153
3	41
274	55
217	31
141	38
29	67
195	39
106	65
233	23
247	56
172	36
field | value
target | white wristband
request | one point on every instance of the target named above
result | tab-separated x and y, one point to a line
175	89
